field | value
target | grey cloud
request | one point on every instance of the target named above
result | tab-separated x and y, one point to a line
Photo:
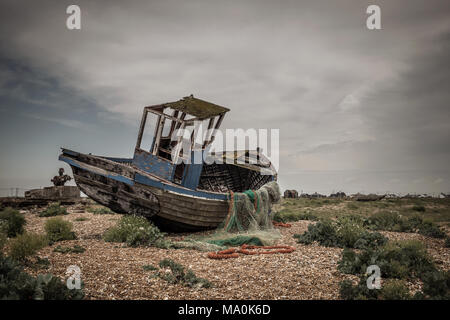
344	98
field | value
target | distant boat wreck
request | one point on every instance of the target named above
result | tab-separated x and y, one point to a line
66	195
176	195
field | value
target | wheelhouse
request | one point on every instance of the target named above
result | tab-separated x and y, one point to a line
166	156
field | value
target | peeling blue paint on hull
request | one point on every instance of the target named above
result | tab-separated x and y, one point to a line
169	206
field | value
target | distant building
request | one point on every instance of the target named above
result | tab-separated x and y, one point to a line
291	194
339	194
317	195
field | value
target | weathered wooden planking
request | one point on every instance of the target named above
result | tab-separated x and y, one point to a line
161	202
192	211
103	163
192	214
182	217
194	203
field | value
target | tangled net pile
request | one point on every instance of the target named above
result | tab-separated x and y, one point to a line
250	210
248	225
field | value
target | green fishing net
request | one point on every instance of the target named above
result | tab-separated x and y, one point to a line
250	210
249	220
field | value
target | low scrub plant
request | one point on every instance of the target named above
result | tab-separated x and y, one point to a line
323	232
392	290
395	290
436	286
391	221
430	229
149	267
398	261
419	208
54	209
384	220
59	229
177	274
289	216
16	284
135	231
402	260
348	291
12	222
345	232
26	245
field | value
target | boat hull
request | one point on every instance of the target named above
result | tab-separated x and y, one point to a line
170	211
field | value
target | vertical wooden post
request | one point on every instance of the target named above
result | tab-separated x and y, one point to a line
178	145
141	128
209	134
173	124
158	133
183	116
216	127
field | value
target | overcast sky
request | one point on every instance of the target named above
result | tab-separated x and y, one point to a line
358	110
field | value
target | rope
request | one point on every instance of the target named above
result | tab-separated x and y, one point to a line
224	254
281	249
245	249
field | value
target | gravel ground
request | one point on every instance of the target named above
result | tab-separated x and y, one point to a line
111	271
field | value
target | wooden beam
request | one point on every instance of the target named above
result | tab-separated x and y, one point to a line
157	136
141	128
216	127
209	134
183	116
159	113
178	146
172	125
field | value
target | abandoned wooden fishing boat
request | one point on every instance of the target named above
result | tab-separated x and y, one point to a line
159	183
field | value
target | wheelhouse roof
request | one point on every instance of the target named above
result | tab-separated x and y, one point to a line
198	108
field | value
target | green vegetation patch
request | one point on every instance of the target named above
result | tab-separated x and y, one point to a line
178	275
58	229
287	215
391	221
26	245
100	210
346	231
392	290
401	260
149	267
16	284
398	262
436	286
12	222
136	231
54	209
